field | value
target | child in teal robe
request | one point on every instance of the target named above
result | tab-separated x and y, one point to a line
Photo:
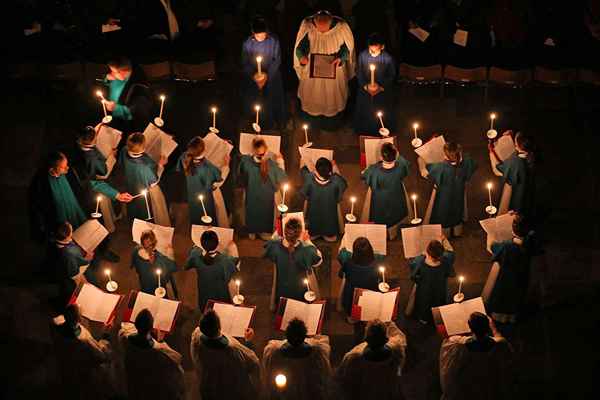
214	270
323	190
145	259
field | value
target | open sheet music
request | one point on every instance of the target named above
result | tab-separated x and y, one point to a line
216	149
110	28
225	235
373	149
273	143
376	233
95	304
164	235
498	229
89	235
432	151
504	147
456	316
107	141
234	319
368	305
309	156
416	239
158	144
164	311
460	37
419	33
321	66
310	313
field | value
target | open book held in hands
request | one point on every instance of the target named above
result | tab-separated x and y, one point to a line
453	319
96	304
164	235
89	235
164	311
368	305
311	313
234	319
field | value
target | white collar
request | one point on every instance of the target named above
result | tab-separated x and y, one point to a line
388	164
87	147
62	243
320	180
135	155
522	154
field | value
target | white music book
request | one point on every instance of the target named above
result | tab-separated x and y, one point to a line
460	37
164	311
376	233
164	235
373	149
158	144
95	304
234	319
432	151
89	235
225	235
309	156
504	147
456	316
273	143
419	33
310	313
216	149
107	141
376	304
110	28
498	229
416	239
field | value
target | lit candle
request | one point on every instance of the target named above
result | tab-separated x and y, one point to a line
214	117
352	201
237	284
460	282
201	198
107	272
414	199
372	68
162	105
380	116
489	186
307	285
102	100
415	127
145	194
257	108
492	118
98	203
258	61
285	189
158	272
280	381
305	127
382	270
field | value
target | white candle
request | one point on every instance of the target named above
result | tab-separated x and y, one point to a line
237	284
285	189
145	194
214	117
257	108
162	105
380	116
489	186
305	127
99	94
372	68
460	281
352	201
201	198
382	270
158	272
307	285
414	199
258	61
492	118
98	203
107	272
280	381
415	127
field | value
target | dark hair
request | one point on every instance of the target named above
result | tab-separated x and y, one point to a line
435	249
72	314
453	151
257	143
144	321
375	38
259	25
54	158
295	332
479	324
324	167
209	241
362	252
524	141
210	324
87	135
292	230
120	62
520	226
63	231
376	334
148	235
195	148
388	152
136	142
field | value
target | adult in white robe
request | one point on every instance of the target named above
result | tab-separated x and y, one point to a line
322	96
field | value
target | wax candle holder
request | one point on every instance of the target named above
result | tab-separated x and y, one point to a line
160	292
238	299
491	210
492	133
256	127
458	297
112	286
384	287
416	142
96	214
351	218
207	219
310	296
282	208
416	221
158	121
384	132
107	119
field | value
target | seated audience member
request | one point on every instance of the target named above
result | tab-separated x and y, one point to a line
371	369
152	368
476	367
226	368
304	362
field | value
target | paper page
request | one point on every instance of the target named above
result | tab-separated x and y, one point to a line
388	302
419	33
110	28
376	233
373	149
273	143
313	318
164	235
309	313
456	316
216	149
370	304
432	151
153	142
95	304
460	37
145	300
167	310
234	320
297	215
90	235
225	235
416	239
322	66
549	42
504	147
310	156
498	229
111	161
167	145
107	140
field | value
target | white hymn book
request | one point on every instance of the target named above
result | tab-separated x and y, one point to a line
309	156
164	235
432	151
377	305
89	235
373	149
376	233
95	304
273	143
164	311
456	316
234	319
225	235
416	239
310	313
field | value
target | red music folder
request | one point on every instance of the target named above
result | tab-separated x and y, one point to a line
96	304
311	313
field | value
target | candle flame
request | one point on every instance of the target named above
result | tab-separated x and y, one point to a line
98	198
286	187
379	114
214	109
305	281
353	199
461	278
107	271
201	197
489	185
305	126
415	125
414	196
238	282
98	93
381	269
493	115
259	59
162	97
158	271
280	380
144	192
372	67
257	107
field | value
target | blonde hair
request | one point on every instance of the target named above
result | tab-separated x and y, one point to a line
195	148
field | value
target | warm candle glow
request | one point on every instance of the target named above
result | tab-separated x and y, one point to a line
201	197
306	281
214	109
98	198
257	107
379	114
414	196
286	187
280	380
259	59
461	278
382	269
372	67
305	126
162	97
238	282
107	271
489	185
158	271
144	192
493	116
353	199
99	94
415	125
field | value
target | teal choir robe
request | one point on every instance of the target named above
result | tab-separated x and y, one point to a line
146	270
450	181
357	276
259	206
518	172
388	199
292	267
213	279
204	175
66	205
323	200
432	283
140	173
